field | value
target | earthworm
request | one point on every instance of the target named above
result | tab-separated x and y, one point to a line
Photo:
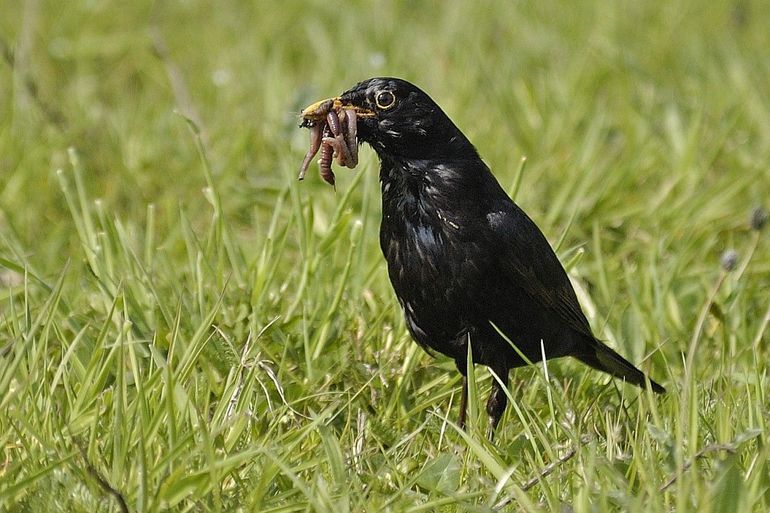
337	127
350	137
315	144
334	135
338	142
340	150
334	122
325	161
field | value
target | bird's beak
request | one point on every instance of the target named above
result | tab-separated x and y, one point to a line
319	110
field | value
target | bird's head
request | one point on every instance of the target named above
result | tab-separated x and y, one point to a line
400	121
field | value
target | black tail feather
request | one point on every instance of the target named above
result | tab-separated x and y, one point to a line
606	360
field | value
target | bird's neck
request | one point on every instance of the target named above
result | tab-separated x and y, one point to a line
401	182
417	189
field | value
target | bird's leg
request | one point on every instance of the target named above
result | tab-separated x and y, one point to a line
462	367
498	400
463	402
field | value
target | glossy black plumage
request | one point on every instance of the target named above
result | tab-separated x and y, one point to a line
461	254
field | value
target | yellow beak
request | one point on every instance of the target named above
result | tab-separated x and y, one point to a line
320	109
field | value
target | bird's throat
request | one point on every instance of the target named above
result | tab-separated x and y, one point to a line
403	187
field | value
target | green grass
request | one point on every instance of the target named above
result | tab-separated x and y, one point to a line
185	327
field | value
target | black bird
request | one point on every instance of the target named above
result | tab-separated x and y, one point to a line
464	260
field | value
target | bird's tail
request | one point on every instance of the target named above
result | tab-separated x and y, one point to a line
602	358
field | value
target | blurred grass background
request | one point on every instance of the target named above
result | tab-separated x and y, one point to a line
185	327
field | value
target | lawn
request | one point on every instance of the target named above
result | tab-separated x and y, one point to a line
186	327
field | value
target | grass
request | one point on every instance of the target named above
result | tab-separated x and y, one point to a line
185	327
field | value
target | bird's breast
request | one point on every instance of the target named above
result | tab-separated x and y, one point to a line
431	239
417	252
431	261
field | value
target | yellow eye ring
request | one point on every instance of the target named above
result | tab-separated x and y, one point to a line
385	100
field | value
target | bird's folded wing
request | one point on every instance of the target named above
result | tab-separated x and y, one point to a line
527	261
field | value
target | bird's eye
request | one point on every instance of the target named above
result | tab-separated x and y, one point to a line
385	100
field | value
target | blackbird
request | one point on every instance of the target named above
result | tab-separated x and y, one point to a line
466	263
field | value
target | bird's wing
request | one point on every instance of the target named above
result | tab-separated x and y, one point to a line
527	261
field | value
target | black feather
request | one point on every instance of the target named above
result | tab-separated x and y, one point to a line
463	258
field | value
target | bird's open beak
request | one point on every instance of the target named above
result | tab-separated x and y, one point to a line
319	110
